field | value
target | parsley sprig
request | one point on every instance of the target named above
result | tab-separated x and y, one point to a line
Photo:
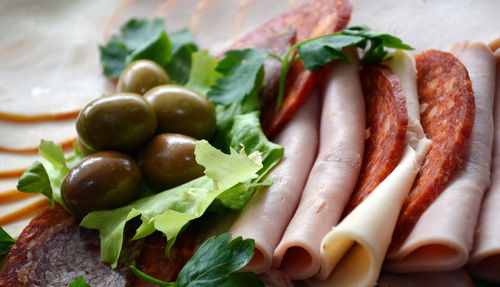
319	51
214	264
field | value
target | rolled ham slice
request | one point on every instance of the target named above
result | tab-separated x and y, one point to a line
333	176
212	24
352	253
176	13
442	237
485	256
268	213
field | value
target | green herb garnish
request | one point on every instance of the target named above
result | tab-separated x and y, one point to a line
214	264
79	282
5	243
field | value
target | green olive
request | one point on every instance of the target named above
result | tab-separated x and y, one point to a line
140	76
121	122
181	110
103	180
168	160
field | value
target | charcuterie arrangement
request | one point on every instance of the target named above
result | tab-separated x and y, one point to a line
295	151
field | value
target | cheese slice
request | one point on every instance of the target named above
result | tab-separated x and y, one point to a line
353	252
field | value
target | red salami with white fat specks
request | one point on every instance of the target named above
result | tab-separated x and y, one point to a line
387	120
447	116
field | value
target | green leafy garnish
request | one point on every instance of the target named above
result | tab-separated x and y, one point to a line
79	282
317	52
170	210
203	72
179	67
242	75
36	180
214	264
46	178
5	243
144	39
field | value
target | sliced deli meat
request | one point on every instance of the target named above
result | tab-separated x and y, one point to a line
266	216
485	256
213	29
53	251
61	74
333	175
176	13
312	19
442	237
352	253
447	115
25	137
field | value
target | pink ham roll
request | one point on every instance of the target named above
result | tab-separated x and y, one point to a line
485	257
333	176
267	214
443	236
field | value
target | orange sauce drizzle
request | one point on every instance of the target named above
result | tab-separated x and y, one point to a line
12	173
65	144
29	210
12	117
13	195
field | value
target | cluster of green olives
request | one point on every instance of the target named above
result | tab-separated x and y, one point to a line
148	119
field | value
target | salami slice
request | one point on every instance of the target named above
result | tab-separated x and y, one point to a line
447	115
387	120
54	250
312	19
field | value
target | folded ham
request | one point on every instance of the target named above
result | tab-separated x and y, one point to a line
442	237
268	213
333	176
352	253
485	256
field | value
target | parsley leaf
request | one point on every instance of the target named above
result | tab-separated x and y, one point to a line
317	52
144	39
179	67
215	264
5	243
138	38
79	282
242	75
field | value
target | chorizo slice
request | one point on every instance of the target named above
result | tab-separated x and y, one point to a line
447	116
386	121
312	19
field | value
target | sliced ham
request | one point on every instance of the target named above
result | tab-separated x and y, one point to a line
176	13
254	13
352	253
430	24
485	256
25	137
212	24
49	63
443	236
261	219
333	176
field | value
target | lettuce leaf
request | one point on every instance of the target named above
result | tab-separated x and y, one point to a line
46	178
170	210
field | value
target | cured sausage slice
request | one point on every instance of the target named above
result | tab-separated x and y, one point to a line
311	19
387	120
447	115
54	250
